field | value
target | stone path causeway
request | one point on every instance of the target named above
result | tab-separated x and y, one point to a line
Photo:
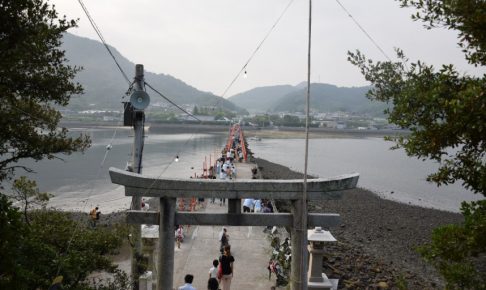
249	246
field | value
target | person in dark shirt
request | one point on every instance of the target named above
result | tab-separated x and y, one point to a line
226	260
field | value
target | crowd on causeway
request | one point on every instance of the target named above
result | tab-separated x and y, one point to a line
221	272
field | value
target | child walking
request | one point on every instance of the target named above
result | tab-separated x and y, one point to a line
213	271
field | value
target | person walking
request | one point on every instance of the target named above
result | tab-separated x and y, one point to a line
258	205
227	262
223	239
213	271
94	215
188	280
179	236
213	284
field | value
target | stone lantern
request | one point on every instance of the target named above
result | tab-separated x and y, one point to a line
318	280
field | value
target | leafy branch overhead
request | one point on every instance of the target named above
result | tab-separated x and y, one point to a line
446	114
34	81
445	111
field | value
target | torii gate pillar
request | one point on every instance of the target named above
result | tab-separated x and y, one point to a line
166	242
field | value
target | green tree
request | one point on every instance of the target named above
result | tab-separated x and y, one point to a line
34	80
46	244
54	244
13	233
27	193
291	121
446	114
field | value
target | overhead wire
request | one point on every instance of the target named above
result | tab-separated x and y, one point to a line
302	281
363	30
102	163
147	190
174	104
257	48
100	35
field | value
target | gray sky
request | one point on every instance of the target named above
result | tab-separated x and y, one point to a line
205	43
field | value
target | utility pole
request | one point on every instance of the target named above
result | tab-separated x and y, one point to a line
139	100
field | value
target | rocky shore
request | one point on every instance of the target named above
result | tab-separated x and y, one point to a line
377	238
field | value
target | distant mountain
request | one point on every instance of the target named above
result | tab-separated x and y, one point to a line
324	98
104	85
262	99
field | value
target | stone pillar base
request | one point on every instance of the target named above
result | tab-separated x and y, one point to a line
326	284
145	281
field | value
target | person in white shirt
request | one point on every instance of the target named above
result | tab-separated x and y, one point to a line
179	236
258	205
222	174
213	271
248	205
188	280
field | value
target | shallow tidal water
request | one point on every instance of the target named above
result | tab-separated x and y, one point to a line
82	181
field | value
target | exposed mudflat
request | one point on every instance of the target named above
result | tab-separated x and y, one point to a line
377	238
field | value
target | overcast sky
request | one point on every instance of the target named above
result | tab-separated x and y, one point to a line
205	43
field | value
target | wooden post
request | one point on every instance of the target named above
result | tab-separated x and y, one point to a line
166	243
138	129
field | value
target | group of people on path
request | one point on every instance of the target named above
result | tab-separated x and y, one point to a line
222	270
226	168
257	205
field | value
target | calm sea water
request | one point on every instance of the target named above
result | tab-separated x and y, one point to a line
82	181
389	173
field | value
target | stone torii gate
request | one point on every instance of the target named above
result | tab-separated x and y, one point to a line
168	190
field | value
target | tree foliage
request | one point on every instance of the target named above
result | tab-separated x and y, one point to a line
459	252
446	113
54	244
27	193
34	81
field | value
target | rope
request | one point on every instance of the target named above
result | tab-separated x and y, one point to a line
303	261
257	48
108	148
98	31
363	30
168	100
